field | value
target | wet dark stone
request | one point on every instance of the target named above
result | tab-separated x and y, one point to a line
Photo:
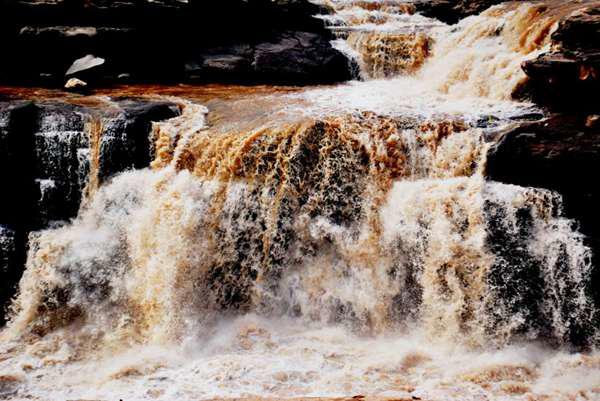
165	41
61	154
45	165
568	77
125	142
11	260
452	11
565	82
18	123
300	56
561	154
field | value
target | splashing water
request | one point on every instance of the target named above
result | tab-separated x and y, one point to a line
463	58
347	244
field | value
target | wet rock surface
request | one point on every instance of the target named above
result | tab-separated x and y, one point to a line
11	262
290	57
46	158
452	11
568	77
168	41
560	154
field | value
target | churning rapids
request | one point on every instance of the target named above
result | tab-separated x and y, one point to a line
326	242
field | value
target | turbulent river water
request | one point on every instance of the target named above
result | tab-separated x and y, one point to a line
330	241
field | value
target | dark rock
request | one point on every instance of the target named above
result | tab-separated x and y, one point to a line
62	149
289	57
300	56
563	82
61	152
125	142
45	164
231	62
51	50
560	154
18	123
146	39
568	77
452	11
580	31
225	62
556	154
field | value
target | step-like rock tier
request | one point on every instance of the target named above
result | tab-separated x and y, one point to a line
568	76
562	154
235	40
46	163
452	11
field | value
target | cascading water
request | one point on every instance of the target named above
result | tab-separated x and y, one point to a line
344	241
384	38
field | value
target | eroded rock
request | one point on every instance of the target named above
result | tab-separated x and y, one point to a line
144	39
51	153
300	56
568	77
452	11
560	154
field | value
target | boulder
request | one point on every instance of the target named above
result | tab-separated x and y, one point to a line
300	57
452	11
290	57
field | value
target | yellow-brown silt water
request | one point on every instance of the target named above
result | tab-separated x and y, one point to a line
327	242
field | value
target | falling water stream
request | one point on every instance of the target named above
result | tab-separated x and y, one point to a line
327	242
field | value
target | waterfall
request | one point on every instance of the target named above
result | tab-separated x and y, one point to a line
480	56
359	219
335	240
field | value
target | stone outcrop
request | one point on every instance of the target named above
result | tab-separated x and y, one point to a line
51	152
166	41
562	154
452	11
567	78
291	57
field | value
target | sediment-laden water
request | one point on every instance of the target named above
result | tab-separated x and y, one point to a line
324	242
